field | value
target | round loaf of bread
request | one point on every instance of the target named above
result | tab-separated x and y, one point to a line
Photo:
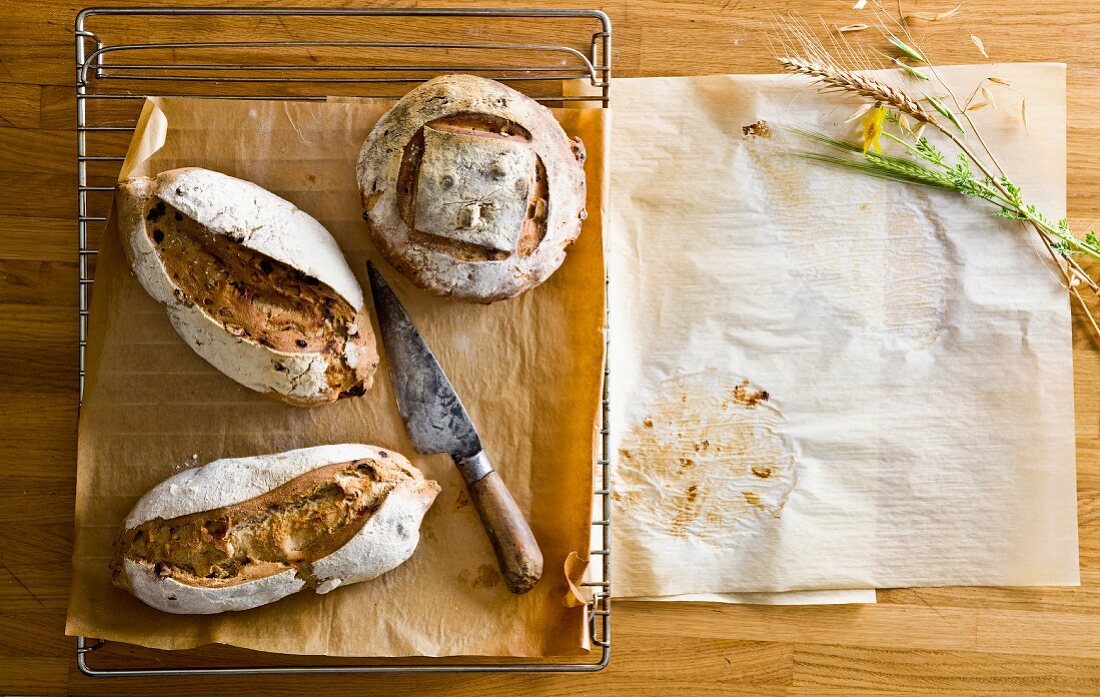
254	285
243	532
472	189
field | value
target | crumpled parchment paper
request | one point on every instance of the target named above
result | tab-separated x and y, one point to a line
821	380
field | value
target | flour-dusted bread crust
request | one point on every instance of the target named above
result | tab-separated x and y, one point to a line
254	285
472	189
169	595
232	480
238	533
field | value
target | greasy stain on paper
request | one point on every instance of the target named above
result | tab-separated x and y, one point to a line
707	460
484	576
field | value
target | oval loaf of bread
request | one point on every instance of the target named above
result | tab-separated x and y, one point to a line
254	285
472	189
243	532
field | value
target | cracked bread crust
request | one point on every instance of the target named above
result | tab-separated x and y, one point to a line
472	189
254	285
241	532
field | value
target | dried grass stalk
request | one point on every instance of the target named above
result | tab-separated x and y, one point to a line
933	16
980	44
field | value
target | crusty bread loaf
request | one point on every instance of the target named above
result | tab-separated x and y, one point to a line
472	189
254	285
243	532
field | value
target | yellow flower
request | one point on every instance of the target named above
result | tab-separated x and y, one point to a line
872	128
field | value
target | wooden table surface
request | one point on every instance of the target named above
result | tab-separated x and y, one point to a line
933	641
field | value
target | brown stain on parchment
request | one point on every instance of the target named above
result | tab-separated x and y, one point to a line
687	508
752	499
707	460
486	576
686	463
462	500
748	397
628	500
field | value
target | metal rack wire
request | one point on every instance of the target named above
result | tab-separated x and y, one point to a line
318	60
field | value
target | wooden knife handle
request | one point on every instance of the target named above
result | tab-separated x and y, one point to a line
517	550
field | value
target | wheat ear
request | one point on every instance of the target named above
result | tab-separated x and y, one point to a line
864	85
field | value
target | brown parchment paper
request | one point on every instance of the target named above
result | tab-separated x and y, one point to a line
529	371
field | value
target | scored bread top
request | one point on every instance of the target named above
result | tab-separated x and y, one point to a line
261	221
471	188
242	532
235	480
268	300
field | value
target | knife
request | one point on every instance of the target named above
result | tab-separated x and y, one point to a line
438	423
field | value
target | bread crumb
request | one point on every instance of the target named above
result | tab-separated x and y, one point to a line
760	129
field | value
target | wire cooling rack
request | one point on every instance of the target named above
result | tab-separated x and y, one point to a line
313	54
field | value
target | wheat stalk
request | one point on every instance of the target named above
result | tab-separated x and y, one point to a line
863	85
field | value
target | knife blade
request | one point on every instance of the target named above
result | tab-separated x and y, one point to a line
437	422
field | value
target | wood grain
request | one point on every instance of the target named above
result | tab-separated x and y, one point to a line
942	641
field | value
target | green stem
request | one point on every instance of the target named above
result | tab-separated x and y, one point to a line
991	190
905	144
1020	208
995	194
1072	240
